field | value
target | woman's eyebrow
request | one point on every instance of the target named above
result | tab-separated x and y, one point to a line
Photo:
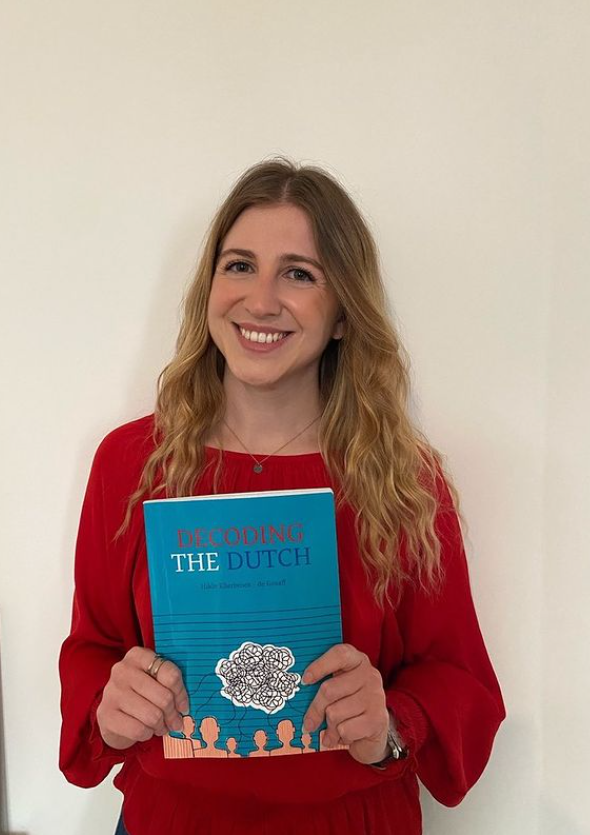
286	256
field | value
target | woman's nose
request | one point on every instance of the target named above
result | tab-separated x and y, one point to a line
263	296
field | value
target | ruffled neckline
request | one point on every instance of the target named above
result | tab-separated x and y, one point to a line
246	456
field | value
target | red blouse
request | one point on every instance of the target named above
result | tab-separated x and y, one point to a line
438	679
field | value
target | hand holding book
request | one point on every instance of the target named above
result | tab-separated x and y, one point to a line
136	706
351	701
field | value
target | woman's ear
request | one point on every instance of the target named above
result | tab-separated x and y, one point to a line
338	331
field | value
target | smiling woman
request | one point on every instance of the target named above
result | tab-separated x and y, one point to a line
288	374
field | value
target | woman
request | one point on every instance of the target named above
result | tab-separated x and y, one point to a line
288	374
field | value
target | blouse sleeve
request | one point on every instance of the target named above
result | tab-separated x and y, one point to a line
445	696
91	648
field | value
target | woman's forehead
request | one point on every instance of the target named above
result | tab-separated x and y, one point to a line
278	227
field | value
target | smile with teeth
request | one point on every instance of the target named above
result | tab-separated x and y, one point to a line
255	336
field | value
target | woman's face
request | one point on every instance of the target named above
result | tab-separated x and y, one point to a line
271	289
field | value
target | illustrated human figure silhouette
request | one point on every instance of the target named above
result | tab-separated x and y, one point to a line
209	730
306	740
232	744
260	740
285	733
179	748
333	748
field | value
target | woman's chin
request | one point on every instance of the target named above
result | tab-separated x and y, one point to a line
270	378
259	382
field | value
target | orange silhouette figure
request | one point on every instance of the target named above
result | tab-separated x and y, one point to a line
210	732
232	744
260	740
328	748
285	733
306	740
176	748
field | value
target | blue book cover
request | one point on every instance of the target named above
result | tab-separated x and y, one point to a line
245	595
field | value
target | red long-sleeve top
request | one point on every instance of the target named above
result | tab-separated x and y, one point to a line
437	675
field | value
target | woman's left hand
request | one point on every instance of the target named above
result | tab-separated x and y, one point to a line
352	702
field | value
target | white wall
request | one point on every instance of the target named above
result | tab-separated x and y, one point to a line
123	124
565	801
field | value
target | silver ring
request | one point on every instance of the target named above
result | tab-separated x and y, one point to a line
154	667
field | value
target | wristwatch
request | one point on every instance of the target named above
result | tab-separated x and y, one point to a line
399	751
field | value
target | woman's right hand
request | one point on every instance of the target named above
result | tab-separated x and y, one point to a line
136	706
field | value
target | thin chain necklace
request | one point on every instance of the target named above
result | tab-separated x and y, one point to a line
258	463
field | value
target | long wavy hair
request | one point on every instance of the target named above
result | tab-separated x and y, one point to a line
378	460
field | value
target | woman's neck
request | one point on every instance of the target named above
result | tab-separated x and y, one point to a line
264	420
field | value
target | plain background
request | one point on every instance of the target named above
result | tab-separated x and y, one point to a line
461	129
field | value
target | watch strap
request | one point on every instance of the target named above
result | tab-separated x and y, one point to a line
398	751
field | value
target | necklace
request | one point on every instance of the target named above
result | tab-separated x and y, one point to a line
258	464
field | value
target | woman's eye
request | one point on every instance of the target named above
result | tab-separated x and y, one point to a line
306	276
235	264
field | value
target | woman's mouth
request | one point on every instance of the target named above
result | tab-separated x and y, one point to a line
261	341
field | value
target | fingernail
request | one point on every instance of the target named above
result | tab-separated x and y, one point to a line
183	705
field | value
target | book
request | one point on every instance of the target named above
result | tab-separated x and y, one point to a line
245	595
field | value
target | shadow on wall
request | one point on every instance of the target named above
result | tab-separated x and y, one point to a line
3	790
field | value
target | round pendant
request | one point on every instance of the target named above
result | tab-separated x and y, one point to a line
257	468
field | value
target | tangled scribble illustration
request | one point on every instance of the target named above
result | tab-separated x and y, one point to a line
257	676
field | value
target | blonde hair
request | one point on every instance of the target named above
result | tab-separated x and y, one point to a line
379	462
